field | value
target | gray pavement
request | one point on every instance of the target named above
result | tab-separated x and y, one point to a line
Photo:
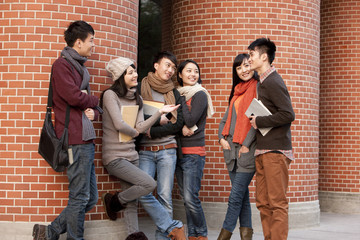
333	226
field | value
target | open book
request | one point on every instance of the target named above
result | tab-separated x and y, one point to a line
150	107
129	115
257	108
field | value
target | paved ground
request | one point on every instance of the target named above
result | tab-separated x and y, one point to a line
333	226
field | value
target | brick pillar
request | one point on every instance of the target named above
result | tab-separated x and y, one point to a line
31	38
213	33
166	25
339	182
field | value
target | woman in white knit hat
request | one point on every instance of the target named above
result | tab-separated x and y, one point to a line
120	157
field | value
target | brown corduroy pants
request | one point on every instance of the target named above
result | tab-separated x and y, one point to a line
272	179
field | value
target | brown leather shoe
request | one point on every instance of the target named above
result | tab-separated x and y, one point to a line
112	205
177	234
39	232
201	238
192	238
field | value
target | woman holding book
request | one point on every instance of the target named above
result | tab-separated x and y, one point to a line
196	106
237	139
123	120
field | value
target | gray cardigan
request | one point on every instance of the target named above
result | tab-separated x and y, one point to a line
246	163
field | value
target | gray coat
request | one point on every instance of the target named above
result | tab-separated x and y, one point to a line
246	163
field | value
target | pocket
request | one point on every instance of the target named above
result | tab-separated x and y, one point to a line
227	156
247	160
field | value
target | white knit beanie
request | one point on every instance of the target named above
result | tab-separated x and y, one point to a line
118	66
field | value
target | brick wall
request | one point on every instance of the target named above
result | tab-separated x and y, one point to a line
339	99
213	33
166	25
31	38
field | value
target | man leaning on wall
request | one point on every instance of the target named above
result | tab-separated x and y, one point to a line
70	83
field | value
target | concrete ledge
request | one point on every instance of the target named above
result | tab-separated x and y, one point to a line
339	202
94	230
301	215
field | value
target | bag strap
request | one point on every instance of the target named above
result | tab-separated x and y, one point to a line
50	106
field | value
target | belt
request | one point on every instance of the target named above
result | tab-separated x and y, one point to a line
158	148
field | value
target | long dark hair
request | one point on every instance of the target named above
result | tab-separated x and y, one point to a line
119	87
239	59
182	66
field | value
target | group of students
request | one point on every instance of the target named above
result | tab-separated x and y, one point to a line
171	141
169	145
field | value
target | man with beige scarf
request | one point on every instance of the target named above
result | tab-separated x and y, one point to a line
157	150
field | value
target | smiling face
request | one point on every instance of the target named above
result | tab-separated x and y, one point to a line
255	59
84	48
131	77
244	72
190	74
259	61
165	69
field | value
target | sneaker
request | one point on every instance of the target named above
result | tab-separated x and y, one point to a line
39	232
177	234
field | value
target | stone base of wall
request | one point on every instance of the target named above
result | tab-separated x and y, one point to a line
301	215
339	202
94	230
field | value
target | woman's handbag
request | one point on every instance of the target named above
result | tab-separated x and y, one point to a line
52	149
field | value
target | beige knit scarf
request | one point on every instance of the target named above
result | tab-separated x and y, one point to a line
189	92
164	87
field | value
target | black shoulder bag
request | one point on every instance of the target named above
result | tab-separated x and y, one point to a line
52	149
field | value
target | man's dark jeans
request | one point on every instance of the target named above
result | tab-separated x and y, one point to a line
83	195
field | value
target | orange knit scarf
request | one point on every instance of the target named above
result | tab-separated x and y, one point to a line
242	125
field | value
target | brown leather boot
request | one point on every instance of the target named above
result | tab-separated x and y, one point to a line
39	232
177	234
112	205
246	233
224	235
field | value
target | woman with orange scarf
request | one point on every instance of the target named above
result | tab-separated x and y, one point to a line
237	139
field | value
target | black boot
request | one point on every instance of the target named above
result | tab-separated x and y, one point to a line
137	236
112	205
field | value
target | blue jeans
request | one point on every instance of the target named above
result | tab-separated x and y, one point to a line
162	163
83	195
239	201
189	171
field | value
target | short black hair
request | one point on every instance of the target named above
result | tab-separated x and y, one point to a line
77	30
264	45
182	66
164	54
